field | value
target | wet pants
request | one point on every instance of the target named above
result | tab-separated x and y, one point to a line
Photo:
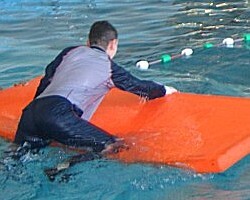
55	118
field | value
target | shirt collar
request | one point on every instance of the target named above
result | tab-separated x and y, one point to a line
97	47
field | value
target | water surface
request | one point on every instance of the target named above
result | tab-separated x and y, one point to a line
33	32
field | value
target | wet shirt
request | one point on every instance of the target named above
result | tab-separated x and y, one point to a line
83	75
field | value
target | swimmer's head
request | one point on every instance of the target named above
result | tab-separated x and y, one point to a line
104	35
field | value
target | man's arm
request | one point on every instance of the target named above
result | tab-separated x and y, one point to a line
123	80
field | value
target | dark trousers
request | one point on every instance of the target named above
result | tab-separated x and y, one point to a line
56	118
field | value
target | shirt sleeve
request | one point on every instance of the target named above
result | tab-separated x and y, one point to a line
50	71
124	80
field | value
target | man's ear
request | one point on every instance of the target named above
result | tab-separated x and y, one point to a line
112	48
88	43
113	44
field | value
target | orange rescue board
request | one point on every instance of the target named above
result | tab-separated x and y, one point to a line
204	133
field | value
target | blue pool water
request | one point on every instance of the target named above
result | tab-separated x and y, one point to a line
33	32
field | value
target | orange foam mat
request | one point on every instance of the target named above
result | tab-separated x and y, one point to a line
204	133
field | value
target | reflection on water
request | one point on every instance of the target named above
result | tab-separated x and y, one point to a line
204	21
48	26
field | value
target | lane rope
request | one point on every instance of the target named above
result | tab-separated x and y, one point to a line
187	52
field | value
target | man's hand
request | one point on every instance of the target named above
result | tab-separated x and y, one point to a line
169	90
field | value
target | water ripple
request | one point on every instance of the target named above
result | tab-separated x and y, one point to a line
33	32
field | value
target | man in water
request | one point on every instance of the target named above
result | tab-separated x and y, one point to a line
73	86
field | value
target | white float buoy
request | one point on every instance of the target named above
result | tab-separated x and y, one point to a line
229	42
142	64
187	52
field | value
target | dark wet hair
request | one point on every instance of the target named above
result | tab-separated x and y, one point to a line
101	33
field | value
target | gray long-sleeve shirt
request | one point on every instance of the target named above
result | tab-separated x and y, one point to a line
84	75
